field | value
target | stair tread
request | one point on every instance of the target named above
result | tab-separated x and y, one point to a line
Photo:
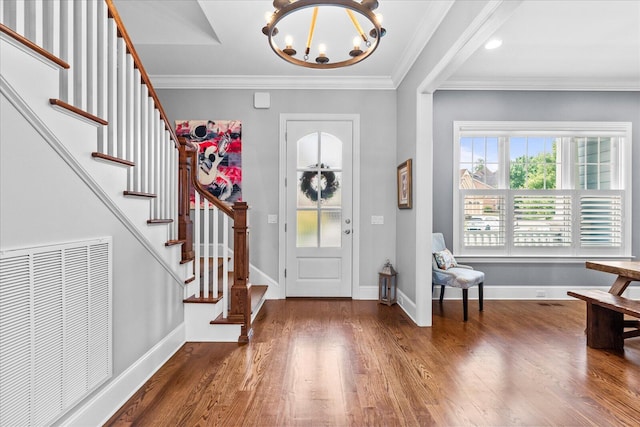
257	293
203	299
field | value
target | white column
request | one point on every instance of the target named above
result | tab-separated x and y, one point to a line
80	54
17	14
144	138
92	51
215	223
51	26
34	21
112	88
205	249
130	111
196	242
136	128
67	50
102	73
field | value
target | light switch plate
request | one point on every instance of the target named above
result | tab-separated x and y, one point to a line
272	219
377	219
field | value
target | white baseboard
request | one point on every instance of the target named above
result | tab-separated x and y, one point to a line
528	292
97	410
407	305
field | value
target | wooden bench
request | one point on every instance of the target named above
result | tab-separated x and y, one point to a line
605	318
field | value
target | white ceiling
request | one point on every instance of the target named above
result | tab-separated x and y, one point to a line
559	44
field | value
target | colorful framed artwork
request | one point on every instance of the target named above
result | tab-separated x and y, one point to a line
404	185
219	156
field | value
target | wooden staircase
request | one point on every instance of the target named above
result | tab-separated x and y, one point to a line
209	295
103	82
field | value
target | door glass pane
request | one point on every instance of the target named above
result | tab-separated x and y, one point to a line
331	188
330	151
330	229
308	182
307	229
308	151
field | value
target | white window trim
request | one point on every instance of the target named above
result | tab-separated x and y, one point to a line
622	130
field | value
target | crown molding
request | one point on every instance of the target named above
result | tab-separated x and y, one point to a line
272	82
538	83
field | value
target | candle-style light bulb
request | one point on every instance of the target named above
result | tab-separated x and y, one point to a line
373	33
268	16
356	47
322	58
288	49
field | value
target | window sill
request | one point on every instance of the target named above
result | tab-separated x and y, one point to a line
483	259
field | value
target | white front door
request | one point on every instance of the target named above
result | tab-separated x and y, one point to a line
319	208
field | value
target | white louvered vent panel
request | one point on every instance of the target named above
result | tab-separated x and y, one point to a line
47	312
76	340
15	341
55	320
100	313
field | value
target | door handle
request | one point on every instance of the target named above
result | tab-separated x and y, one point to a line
347	231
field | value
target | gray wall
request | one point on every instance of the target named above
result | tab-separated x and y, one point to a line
529	105
50	205
260	160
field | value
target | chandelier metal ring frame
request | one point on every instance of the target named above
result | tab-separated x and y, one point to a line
366	8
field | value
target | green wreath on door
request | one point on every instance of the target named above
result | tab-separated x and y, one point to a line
328	184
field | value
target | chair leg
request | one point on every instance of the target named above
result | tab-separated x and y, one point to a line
465	303
480	295
441	293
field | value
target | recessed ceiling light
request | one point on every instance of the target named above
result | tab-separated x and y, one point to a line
493	44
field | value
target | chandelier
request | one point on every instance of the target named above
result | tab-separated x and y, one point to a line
292	14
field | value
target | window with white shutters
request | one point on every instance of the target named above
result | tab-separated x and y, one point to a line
542	189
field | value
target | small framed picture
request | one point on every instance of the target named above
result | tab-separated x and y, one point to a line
404	185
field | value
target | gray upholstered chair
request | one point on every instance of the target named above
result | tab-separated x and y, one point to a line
460	276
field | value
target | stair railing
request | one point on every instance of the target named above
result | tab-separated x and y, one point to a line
201	233
103	80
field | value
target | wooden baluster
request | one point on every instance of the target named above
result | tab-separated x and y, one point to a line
185	224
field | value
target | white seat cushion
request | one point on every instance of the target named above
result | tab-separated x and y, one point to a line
457	277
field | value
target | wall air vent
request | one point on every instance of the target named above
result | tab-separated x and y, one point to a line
55	328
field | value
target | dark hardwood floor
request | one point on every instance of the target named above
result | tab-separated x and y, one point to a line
358	363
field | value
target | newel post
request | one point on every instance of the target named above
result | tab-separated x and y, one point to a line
185	225
240	292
